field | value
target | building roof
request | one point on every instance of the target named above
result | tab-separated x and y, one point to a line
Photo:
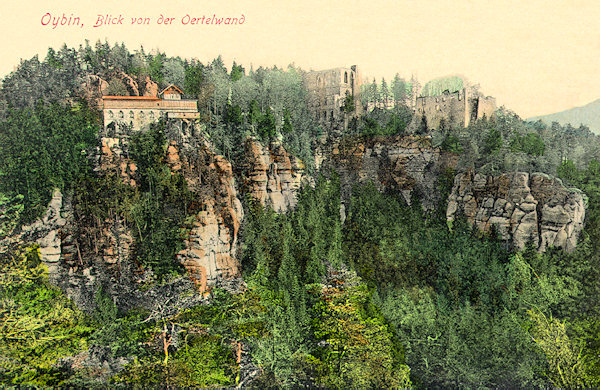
109	97
171	86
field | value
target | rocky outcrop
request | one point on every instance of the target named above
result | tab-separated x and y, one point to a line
92	251
211	245
210	252
93	88
520	207
97	364
150	87
47	232
272	175
398	164
112	157
55	234
128	81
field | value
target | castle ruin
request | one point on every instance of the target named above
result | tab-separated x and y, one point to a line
453	100
327	92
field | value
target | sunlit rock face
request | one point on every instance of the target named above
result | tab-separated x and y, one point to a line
211	245
520	207
272	175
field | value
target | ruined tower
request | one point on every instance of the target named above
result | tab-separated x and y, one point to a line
328	91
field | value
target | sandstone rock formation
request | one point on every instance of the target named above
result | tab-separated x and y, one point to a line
129	82
150	88
273	176
78	253
399	164
97	362
112	157
93	88
47	232
520	207
211	246
55	234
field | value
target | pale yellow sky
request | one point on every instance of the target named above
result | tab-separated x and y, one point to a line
534	56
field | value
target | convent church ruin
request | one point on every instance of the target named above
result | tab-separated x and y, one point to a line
327	92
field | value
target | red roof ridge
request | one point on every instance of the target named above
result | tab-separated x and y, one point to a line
169	86
110	97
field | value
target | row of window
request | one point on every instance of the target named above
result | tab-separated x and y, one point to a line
324	116
331	100
422	110
321	81
141	115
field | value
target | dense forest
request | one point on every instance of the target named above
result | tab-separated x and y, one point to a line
386	294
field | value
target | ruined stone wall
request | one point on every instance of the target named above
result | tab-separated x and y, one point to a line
458	108
486	107
520	207
453	108
327	90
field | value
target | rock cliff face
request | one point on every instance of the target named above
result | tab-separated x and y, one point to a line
151	88
80	254
59	250
520	207
79	272
272	175
48	232
112	157
399	164
211	246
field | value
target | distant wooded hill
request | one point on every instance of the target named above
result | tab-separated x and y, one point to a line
588	115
